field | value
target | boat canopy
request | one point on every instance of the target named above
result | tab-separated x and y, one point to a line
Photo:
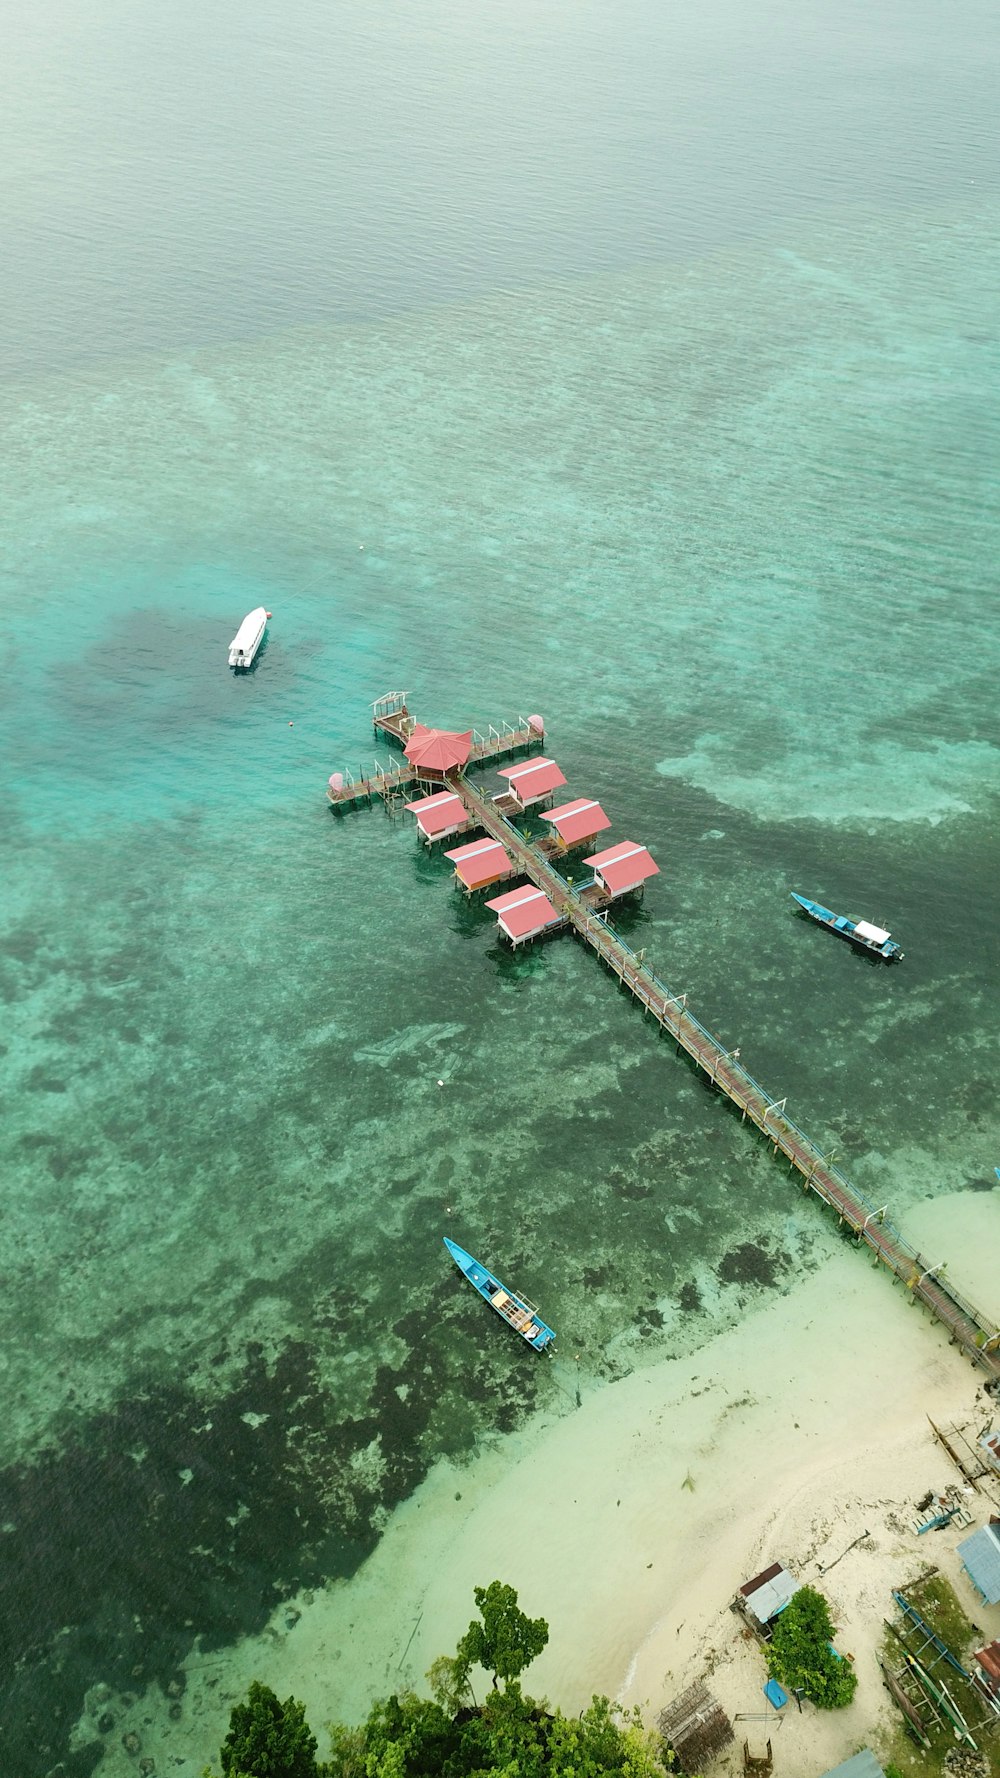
249	630
875	934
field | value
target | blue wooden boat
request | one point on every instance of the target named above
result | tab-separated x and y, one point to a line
860	933
516	1310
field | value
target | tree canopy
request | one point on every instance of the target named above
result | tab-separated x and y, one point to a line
447	1736
505	1641
800	1653
268	1739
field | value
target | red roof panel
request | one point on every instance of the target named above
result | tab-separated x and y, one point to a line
524	911
439	814
624	866
579	820
437	749
989	1659
482	862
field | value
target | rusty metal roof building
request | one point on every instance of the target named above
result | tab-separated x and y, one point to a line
989	1660
768	1593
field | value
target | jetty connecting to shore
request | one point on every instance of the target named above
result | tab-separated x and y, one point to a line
454	805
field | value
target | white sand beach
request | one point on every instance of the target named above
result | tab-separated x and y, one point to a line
630	1522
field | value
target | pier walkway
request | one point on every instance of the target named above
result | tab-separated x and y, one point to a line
978	1337
581	912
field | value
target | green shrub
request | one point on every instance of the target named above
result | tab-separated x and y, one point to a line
800	1655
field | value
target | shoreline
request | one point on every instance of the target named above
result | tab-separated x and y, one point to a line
629	1522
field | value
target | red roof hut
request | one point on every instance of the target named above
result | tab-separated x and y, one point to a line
441	815
623	867
532	780
578	823
485	861
524	913
437	750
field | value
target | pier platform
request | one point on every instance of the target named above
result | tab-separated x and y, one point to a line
393	722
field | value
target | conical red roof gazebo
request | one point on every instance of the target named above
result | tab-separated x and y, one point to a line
437	749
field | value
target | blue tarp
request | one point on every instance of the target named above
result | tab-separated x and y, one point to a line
775	1695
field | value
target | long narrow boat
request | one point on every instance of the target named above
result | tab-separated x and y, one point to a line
860	933
513	1308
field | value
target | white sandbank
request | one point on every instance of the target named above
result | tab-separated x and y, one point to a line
629	1523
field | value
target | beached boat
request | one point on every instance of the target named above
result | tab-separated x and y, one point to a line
860	933
248	638
512	1308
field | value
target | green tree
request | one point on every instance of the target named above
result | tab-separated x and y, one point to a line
506	1641
406	1734
601	1740
449	1683
506	1735
268	1739
800	1654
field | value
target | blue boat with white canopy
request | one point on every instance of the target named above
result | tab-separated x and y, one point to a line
513	1308
860	933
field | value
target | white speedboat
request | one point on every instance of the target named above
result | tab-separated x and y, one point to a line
248	638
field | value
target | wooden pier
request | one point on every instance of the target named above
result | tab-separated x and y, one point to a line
973	1332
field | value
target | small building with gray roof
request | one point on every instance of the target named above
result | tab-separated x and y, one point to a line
980	1555
861	1765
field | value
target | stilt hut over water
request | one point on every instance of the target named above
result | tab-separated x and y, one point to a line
695	1727
577	823
485	861
532	781
622	868
524	914
435	751
440	816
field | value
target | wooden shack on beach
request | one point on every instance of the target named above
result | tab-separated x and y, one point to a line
695	1727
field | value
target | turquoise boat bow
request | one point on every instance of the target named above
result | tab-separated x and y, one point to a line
860	933
513	1308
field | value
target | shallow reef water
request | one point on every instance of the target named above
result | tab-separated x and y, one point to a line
728	524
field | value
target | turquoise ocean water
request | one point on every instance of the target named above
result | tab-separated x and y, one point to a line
641	370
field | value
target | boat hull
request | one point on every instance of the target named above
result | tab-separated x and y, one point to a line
839	924
245	645
511	1307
